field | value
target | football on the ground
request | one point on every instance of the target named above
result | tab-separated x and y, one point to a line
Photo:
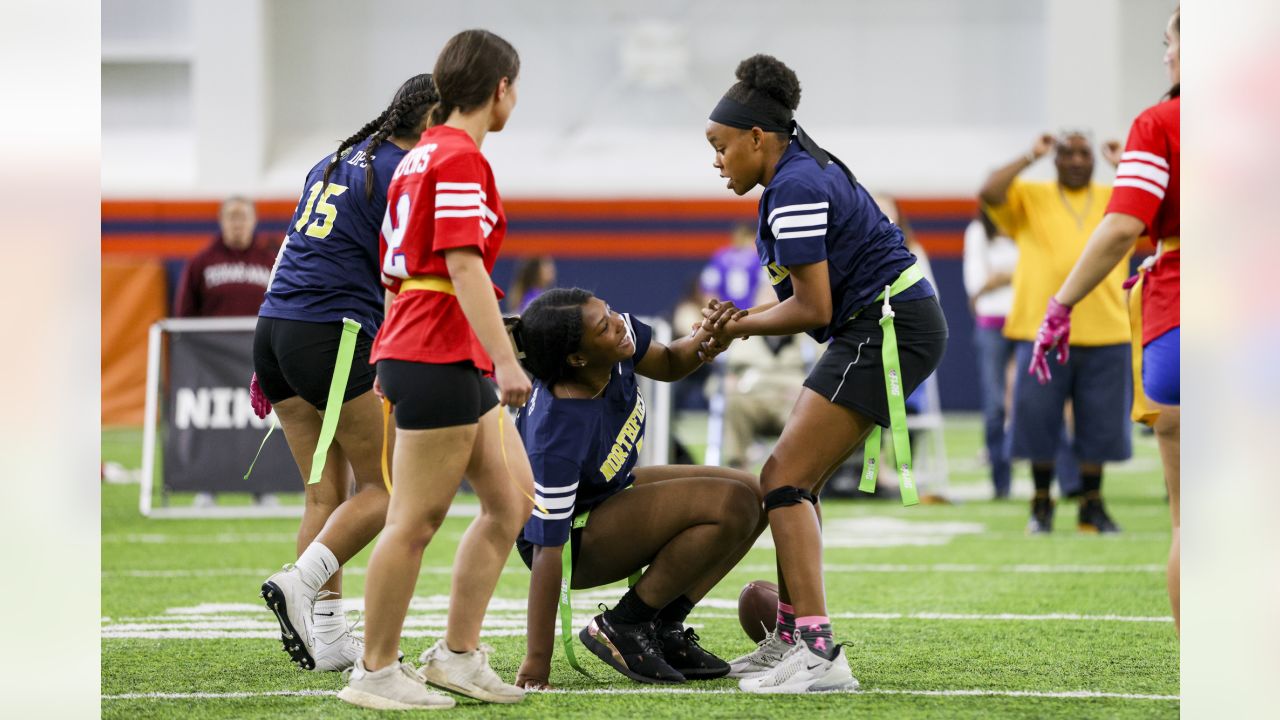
758	608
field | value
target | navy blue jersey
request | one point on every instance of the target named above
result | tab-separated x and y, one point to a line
809	214
327	268
583	451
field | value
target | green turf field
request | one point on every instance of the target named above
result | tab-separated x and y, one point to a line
950	611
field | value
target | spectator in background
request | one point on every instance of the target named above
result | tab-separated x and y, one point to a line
535	275
1051	221
230	276
733	273
989	261
228	279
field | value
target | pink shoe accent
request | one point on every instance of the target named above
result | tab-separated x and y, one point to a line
813	620
786	637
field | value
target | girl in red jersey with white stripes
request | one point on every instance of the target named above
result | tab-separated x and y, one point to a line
1145	201
443	332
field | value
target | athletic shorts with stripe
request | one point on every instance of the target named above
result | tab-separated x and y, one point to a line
850	372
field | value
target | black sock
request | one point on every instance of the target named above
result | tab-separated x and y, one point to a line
1043	478
1091	482
631	610
676	610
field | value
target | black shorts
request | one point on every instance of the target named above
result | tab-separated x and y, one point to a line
428	396
293	357
850	372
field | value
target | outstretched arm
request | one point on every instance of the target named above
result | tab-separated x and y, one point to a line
668	363
544	591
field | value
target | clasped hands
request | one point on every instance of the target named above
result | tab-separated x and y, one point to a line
718	328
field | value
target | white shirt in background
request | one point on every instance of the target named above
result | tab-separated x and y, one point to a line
982	259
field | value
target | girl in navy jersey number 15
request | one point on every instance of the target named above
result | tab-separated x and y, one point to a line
327	270
830	254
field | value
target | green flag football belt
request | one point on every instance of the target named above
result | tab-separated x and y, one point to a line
337	390
897	400
566	602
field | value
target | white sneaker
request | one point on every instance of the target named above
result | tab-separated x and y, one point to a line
801	671
764	658
394	687
466	674
340	654
292	601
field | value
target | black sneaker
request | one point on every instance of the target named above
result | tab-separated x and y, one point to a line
1041	521
1094	518
632	650
682	652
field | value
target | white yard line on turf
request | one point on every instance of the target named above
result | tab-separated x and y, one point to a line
833	568
1063	694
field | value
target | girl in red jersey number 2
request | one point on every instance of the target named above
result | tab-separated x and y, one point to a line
442	334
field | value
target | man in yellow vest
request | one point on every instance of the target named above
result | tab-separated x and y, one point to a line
1051	221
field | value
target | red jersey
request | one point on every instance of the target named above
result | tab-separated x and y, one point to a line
1147	187
442	196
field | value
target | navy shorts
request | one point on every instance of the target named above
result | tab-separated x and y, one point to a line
1099	383
850	372
1162	368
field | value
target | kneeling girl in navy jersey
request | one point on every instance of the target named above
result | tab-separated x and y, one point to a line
583	428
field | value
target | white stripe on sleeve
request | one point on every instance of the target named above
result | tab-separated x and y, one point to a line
552	516
1141	185
557	503
457	199
543	490
1145	157
800	233
798	221
795	208
1143	170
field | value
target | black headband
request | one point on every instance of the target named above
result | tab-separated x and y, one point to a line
744	117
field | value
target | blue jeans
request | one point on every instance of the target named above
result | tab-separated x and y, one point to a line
994	352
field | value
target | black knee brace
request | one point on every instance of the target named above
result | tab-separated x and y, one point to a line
787	495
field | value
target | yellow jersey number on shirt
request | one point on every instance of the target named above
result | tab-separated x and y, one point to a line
318	202
777	273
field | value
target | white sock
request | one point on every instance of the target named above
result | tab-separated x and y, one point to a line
328	622
317	565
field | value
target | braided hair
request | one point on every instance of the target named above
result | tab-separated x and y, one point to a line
549	331
401	118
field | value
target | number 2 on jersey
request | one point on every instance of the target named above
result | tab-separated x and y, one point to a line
318	202
393	264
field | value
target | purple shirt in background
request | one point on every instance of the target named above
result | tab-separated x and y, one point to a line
733	274
530	295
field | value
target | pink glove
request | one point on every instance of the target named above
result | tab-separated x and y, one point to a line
261	405
1054	332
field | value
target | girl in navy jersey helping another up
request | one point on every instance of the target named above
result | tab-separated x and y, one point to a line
325	275
599	518
841	273
443	333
